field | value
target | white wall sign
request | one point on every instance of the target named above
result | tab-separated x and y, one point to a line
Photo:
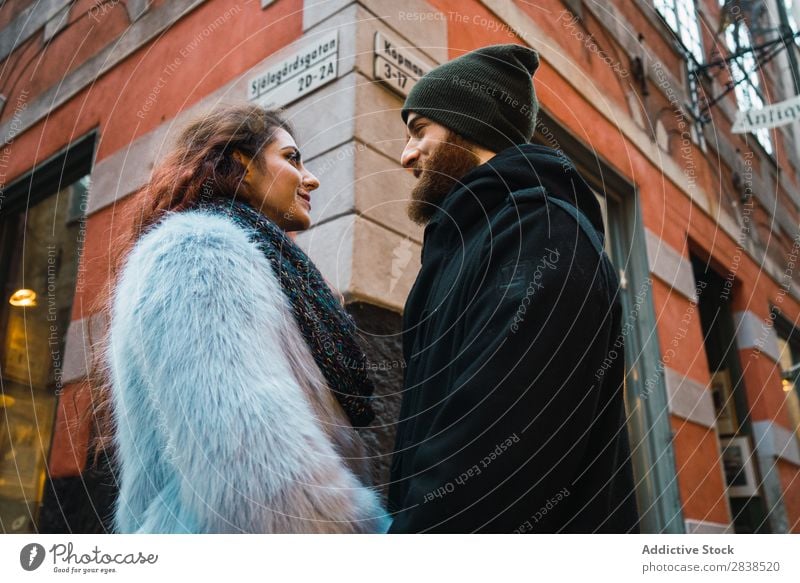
771	116
314	65
396	67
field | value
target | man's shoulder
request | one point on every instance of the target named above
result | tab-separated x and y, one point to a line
537	209
536	194
534	211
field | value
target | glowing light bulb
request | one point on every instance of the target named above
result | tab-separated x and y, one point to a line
25	298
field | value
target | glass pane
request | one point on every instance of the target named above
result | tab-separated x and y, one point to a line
604	210
765	140
39	269
790	10
681	17
690	33
787	361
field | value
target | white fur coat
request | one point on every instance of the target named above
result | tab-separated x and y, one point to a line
224	422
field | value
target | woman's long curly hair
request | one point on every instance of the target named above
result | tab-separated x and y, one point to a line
200	164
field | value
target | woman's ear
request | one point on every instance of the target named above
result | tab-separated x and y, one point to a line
245	161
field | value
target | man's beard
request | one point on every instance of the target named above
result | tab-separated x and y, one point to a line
447	164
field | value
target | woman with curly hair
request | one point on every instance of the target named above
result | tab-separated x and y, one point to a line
231	376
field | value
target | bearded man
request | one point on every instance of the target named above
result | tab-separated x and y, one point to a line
512	417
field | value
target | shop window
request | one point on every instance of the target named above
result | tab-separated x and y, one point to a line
733	426
40	235
789	345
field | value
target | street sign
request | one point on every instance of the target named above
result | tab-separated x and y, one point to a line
771	116
304	71
397	68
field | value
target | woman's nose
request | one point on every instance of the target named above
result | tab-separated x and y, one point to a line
310	182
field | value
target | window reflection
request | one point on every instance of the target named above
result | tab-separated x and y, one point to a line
40	251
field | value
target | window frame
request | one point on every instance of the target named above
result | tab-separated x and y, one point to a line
43	181
747	86
690	38
693	53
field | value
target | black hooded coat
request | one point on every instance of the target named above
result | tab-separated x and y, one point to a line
513	417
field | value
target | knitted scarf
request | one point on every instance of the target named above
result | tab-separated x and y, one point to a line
327	328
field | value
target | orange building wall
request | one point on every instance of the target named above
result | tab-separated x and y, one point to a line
699	473
111	103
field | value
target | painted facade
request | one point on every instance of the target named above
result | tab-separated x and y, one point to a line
703	222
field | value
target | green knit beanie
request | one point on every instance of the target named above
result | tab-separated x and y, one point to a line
486	96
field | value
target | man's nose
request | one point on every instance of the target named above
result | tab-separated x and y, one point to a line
410	156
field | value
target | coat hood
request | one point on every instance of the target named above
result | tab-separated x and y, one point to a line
524	166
